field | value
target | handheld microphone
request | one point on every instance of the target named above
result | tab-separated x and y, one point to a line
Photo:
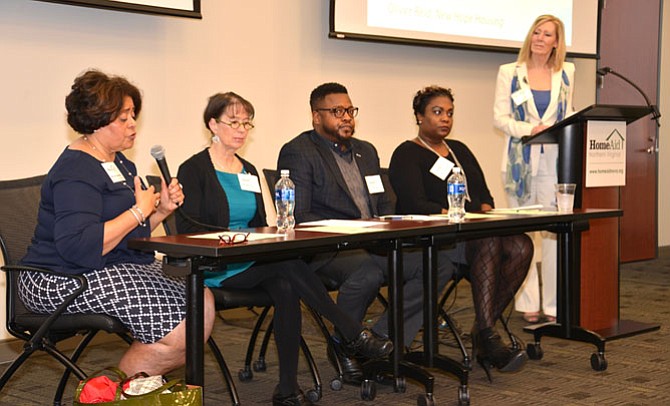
655	114
158	152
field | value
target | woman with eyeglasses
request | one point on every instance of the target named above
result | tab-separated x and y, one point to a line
224	192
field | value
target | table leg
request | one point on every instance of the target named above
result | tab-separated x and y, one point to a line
195	334
430	356
397	366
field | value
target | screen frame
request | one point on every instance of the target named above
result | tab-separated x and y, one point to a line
193	12
340	35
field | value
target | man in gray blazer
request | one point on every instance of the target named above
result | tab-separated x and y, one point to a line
337	176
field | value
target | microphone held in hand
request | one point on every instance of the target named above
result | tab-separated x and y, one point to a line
158	152
655	114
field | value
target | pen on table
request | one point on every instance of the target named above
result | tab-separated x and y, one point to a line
396	217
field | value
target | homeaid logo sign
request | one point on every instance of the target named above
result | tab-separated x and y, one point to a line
605	153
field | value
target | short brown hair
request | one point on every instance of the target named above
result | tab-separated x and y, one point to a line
96	99
218	103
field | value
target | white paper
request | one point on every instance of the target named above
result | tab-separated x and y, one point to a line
341	223
250	237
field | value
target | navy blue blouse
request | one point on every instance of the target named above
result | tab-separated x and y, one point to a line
77	198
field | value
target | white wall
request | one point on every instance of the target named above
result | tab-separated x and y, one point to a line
271	52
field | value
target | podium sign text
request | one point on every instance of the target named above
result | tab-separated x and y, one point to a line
605	153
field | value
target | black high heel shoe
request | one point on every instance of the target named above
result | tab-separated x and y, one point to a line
490	352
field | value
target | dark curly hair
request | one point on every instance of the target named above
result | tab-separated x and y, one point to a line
97	99
425	95
218	103
321	91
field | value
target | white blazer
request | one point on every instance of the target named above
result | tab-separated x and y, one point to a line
503	116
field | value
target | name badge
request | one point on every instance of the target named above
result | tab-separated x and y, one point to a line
521	95
441	168
375	184
113	172
249	182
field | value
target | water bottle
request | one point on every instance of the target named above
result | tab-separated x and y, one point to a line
285	202
456	196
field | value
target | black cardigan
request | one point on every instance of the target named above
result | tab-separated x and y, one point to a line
205	200
421	192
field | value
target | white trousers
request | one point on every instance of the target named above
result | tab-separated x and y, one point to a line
542	192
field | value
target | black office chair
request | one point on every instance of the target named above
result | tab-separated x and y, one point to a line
233	298
41	332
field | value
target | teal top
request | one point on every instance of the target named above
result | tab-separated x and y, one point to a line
242	205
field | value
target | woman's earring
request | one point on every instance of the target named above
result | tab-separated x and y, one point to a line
215	138
420	122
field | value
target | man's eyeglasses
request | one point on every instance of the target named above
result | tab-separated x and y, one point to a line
230	239
339	111
237	124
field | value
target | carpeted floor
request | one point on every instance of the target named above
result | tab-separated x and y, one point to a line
638	372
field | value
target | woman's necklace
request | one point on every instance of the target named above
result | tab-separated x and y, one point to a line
449	153
220	164
115	160
96	150
425	144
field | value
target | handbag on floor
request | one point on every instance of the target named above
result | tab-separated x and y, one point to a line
138	390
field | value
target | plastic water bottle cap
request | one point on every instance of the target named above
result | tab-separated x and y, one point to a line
284	172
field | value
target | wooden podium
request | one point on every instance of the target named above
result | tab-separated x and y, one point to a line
596	283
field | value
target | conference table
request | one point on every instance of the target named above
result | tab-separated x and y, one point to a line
184	255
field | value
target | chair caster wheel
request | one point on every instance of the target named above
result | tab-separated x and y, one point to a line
598	361
245	374
313	395
260	366
425	400
336	384
368	390
463	396
534	351
400	385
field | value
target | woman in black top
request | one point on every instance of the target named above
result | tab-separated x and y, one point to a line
497	265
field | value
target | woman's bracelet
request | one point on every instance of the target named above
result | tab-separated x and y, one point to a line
138	216
139	211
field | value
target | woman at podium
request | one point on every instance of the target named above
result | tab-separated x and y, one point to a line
532	94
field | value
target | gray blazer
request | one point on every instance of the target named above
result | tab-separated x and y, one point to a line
320	189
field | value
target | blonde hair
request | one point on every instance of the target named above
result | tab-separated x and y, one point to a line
557	56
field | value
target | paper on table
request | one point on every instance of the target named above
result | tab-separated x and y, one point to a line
340	223
419	217
534	207
468	216
250	237
342	229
